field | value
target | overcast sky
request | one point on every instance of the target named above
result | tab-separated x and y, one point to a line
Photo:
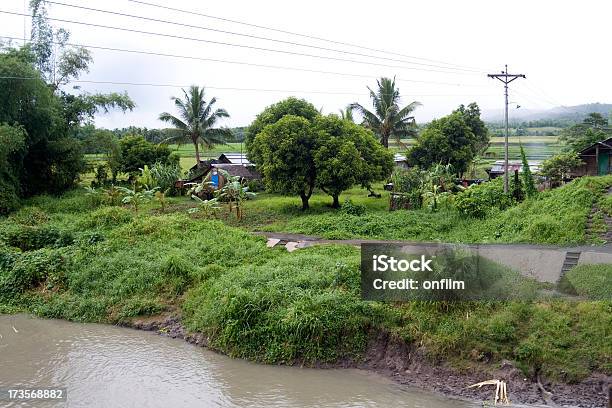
563	47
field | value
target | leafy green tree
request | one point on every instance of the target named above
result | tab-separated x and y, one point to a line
12	145
579	136
136	153
471	115
558	167
272	114
448	140
528	183
58	61
347	154
285	156
196	121
388	120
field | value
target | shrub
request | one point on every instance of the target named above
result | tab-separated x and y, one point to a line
478	200
106	217
353	209
164	176
30	215
28	238
26	270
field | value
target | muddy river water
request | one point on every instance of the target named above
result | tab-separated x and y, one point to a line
107	366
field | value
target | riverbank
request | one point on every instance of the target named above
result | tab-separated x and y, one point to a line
76	259
407	365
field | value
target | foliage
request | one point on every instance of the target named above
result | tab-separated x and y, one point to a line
285	156
455	139
479	200
235	194
56	59
388	120
207	208
164	176
347	154
296	155
136	153
196	121
349	207
301	307
272	114
594	128
135	197
528	183
558	167
12	144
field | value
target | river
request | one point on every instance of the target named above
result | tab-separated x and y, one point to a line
108	366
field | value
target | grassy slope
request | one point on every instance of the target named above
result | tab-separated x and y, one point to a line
554	217
262	304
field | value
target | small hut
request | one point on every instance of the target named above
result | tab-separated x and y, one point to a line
597	159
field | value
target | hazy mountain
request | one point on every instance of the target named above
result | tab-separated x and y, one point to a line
561	113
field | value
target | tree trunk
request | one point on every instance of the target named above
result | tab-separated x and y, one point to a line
197	154
305	199
336	203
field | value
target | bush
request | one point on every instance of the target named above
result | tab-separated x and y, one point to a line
164	176
478	200
30	215
107	217
28	238
136	153
26	270
353	209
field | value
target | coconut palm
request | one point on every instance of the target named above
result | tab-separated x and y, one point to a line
347	114
388	119
196	121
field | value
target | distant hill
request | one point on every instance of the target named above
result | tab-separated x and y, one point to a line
564	115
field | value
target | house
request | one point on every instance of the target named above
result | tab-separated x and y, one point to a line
498	167
235	164
400	161
597	159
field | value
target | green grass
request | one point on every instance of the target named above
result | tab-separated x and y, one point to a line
553	217
267	304
592	281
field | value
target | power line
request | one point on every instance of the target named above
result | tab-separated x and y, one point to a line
316	71
255	36
292	33
241	45
165	85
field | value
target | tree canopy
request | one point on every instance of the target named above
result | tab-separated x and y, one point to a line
272	114
593	128
297	155
455	139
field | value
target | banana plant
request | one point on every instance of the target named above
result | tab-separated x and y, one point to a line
136	198
208	208
112	194
235	193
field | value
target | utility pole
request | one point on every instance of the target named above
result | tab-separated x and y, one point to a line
506	78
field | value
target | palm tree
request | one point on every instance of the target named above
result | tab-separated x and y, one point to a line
347	114
196	120
388	119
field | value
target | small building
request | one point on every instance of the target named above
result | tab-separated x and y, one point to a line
235	164
234	158
597	159
498	167
400	161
